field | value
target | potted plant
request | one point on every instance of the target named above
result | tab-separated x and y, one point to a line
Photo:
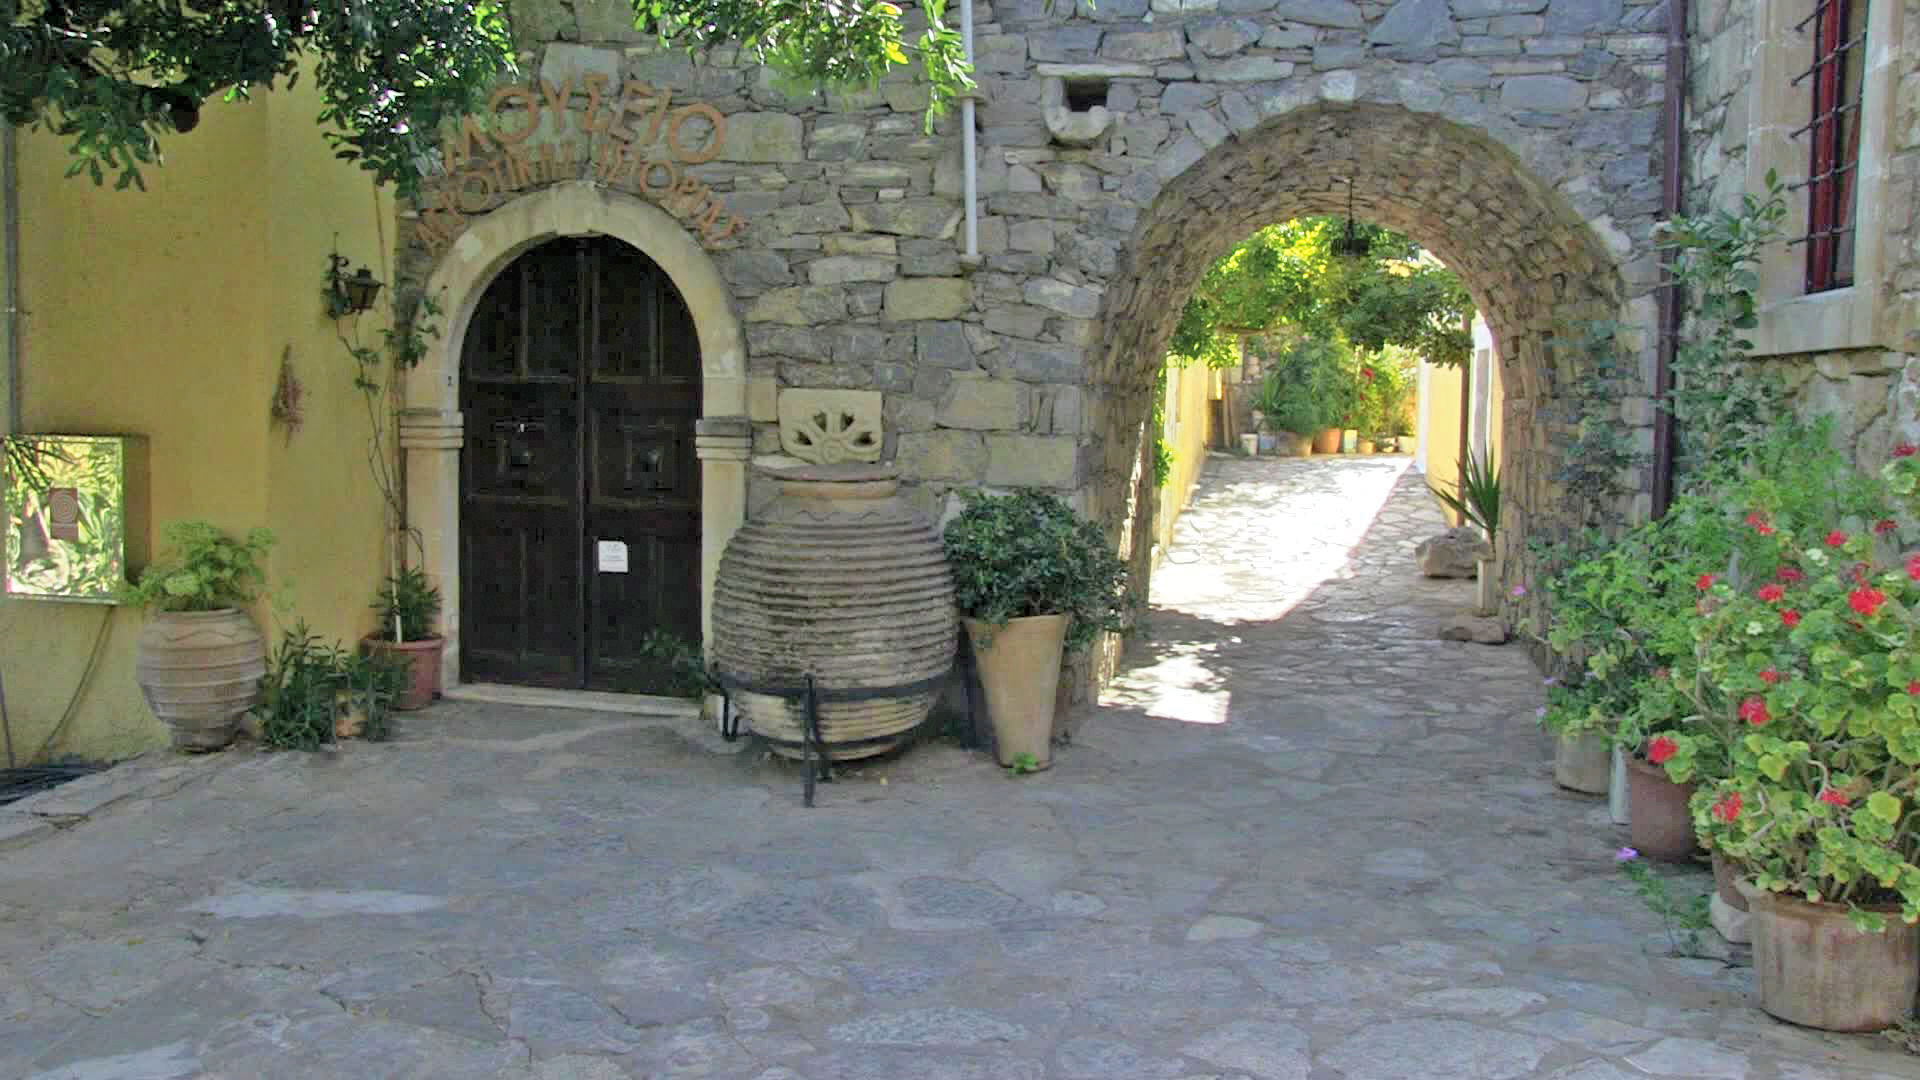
1286	405
408	603
1477	502
200	656
1033	581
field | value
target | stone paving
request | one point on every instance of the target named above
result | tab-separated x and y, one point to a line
1301	840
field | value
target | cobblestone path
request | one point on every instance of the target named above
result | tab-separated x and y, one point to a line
1302	840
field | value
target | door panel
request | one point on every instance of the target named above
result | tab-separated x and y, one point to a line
580	388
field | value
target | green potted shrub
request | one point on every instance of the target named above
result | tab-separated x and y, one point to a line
408	603
1286	407
1033	581
200	656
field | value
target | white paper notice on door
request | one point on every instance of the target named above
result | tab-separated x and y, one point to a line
612	556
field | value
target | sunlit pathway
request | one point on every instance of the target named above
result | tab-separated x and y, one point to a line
1304	840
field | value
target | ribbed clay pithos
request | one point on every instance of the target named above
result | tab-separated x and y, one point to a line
839	577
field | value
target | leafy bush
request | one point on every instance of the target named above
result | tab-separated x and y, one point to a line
203	569
685	663
311	684
1029	554
1309	386
411	599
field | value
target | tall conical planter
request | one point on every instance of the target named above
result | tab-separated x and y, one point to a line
200	671
1020	674
1815	969
842	579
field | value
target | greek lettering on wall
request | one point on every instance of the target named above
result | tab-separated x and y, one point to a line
634	136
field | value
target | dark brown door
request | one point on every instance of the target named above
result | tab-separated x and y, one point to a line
580	493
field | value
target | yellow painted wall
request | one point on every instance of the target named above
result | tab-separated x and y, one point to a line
1439	423
164	313
1188	390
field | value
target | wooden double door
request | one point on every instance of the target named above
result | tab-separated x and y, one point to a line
580	491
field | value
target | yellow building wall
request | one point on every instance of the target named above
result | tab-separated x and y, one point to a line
1439	424
164	313
1189	390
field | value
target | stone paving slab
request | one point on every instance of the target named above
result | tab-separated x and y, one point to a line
1301	839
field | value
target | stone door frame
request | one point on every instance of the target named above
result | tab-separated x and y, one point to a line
431	423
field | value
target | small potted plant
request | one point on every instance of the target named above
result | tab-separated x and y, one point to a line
200	657
1477	502
408	603
1033	581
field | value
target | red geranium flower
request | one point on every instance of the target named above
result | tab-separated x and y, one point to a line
1791	575
1790	617
1833	798
1913	567
1885	525
1728	808
1914	688
1754	711
1836	538
1906	449
1770	676
1660	749
1771	593
1866	600
1705	582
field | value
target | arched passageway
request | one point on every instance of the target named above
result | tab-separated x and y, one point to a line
1529	260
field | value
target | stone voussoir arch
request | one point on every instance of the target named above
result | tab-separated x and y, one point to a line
1532	264
431	423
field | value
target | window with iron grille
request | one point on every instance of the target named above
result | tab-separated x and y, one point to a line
1838	29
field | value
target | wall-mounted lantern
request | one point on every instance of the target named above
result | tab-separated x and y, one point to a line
349	294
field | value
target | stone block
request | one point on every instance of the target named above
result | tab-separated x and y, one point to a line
837	140
874	174
936	218
1034	236
943	345
1415	21
1055	295
1583	16
819	217
1185	97
981	403
765	136
1547	93
1222	36
1068	44
1033	362
1479	629
1179	157
859	244
1246	69
1050	461
1210	131
564	62
800	305
1455	553
943	454
763	396
1340	14
1143	45
914	299
1480	9
1016	320
1000	53
842	269
1329	57
759	269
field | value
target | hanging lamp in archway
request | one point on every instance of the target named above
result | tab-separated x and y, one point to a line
1349	245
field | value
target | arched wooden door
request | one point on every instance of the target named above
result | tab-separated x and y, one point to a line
580	492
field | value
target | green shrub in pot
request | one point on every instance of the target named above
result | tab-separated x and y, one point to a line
1029	554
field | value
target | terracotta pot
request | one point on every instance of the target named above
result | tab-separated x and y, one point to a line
1302	445
1582	763
1725	876
1815	969
1020	672
839	577
422	661
200	671
1327	441
1364	446
1662	827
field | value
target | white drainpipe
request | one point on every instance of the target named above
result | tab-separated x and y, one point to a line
969	173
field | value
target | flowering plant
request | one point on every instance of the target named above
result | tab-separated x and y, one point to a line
1806	682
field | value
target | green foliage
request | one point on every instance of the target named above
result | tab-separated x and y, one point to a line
1720	402
1683	919
1023	764
1311	384
114	76
848	45
1157	423
1476	497
412	600
1286	276
1029	554
311	684
1600	454
685	663
203	569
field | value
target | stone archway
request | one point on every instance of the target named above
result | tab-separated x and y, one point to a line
1529	260
431	423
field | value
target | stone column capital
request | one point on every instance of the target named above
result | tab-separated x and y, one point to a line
432	429
723	438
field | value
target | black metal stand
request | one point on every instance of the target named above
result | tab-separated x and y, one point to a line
815	751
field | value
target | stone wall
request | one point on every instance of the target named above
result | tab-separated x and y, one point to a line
1517	139
1853	354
